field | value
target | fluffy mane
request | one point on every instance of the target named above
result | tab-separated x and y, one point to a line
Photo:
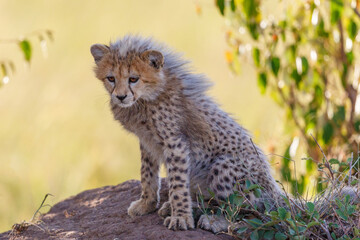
175	66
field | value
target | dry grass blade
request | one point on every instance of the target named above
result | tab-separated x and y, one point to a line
18	228
254	146
41	206
327	164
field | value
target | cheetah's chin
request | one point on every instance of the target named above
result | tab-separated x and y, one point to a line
125	105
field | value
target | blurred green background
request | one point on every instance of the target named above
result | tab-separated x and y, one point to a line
57	134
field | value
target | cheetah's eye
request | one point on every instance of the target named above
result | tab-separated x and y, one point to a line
110	79
133	79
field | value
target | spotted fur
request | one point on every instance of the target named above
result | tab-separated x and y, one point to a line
178	125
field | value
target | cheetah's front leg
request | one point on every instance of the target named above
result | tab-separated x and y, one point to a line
149	186
177	164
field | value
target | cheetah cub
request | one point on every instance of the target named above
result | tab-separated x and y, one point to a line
155	96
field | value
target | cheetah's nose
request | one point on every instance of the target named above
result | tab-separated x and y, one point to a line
121	98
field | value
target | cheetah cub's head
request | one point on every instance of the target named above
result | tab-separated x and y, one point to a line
131	76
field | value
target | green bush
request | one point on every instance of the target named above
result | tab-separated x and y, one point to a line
332	214
307	60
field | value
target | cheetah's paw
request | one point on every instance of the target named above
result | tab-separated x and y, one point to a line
141	207
213	223
179	223
165	210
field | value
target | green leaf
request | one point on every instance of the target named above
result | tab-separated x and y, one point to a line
238	200
254	222
254	235
250	8
221	6
274	213
296	76
262	82
328	132
256	57
339	116
3	69
311	224
311	118
344	74
354	182
350	57
310	206
261	234
269	234
232	5
290	53
253	29
275	65
336	7
335	16
357	125
309	165
288	215
341	214
282	25
280	236
282	213
25	47
352	29
351	209
219	212
235	62
257	193
302	229
320	30
334	161
241	230
291	230
305	65
318	95
231	199
347	199
248	183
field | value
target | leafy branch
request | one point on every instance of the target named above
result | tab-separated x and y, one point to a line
24	43
308	61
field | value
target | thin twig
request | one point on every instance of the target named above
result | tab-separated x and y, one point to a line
356	12
278	155
39	32
326	231
352	157
342	42
327	164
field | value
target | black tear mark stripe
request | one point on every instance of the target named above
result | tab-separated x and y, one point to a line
131	90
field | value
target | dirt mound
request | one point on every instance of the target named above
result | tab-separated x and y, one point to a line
102	214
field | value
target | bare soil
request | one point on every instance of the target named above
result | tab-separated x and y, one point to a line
102	214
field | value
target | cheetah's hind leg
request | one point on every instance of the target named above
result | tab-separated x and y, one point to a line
221	181
165	210
213	223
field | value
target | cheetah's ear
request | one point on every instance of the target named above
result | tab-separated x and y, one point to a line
98	51
154	58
